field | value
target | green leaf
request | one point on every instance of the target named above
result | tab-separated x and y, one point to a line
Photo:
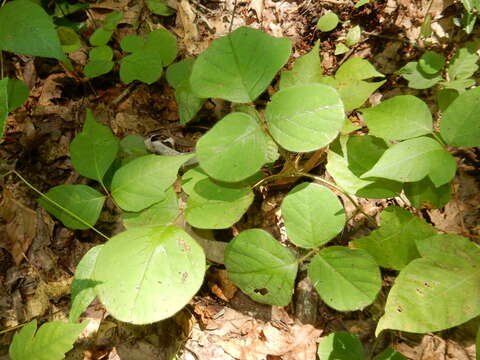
412	160
132	147
83	287
159	7
399	118
161	213
459	85
361	3
83	201
112	20
390	354
313	215
340	346
261	267
4	108
99	61
354	93
178	76
143	181
51	341
463	64
307	69
233	149
346	279
417	78
69	39
165	269
304	118
17	92
327	22
132	43
445	97
191	178
216	206
393	244
459	124
363	152
100	37
424	195
240	66
431	62
64	8
437	291
26	28
341	48
146	64
94	149
356	69
353	36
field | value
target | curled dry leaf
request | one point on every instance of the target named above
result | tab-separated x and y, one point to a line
20	226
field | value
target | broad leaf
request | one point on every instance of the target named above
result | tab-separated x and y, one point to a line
353	36
146	63
102	35
100	61
143	181
399	118
445	97
165	269
356	69
439	290
424	195
161	213
240	66
17	94
313	215
340	346
216	206
131	147
363	152
4	108
459	125
69	39
304	118
417	78
412	160
51	341
463	64
26	28
307	69
178	76
261	267
346	279
80	200
431	62
233	149
340	49
393	244
159	7
327	22
83	287
94	149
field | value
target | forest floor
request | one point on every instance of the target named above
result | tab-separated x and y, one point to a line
38	256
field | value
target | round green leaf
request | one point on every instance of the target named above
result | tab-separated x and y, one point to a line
83	201
411	160
96	68
17	93
459	125
161	213
132	43
439	290
417	78
160	7
145	66
148	274
233	149
307	69
103	52
69	39
353	36
111	21
313	215
399	118
164	44
100	37
305	117
340	346
431	62
240	66
261	267
327	22
26	28
179	73
94	149
346	279
143	181
216	206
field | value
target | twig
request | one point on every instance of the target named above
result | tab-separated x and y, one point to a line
233	16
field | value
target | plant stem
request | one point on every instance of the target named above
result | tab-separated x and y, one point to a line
75	216
438	138
307	255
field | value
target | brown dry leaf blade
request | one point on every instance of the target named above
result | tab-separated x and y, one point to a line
20	227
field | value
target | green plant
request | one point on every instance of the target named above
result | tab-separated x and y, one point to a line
150	271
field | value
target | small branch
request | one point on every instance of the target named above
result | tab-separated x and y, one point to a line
233	16
307	255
